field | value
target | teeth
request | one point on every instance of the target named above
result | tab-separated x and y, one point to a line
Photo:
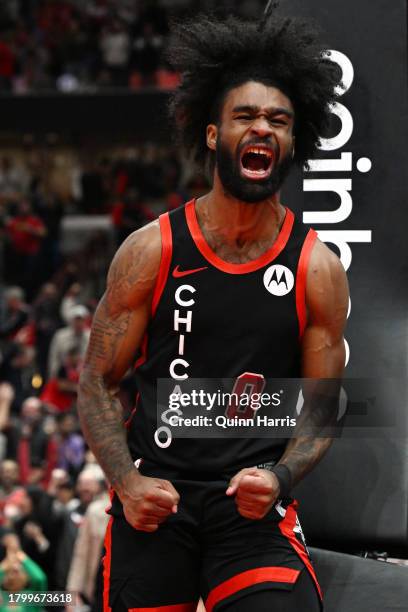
259	151
255	171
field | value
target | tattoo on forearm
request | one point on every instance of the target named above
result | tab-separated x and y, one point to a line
315	430
302	454
99	409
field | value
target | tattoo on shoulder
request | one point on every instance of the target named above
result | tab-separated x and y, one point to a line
134	268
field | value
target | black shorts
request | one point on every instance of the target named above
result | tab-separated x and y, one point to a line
207	549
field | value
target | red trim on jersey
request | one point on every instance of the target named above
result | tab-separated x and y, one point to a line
107	566
247	579
132	414
167	248
143	352
249	266
187	607
165	260
301	277
287	526
111	493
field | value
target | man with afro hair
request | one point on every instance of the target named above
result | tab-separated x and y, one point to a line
227	287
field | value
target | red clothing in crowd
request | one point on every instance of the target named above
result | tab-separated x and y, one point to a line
23	240
24	460
54	395
7	60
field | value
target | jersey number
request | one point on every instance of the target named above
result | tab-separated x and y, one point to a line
245	386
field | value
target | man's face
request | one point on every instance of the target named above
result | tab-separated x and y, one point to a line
87	488
254	141
31	410
24	208
9	473
78	324
67	425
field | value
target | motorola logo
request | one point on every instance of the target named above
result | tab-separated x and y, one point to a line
278	280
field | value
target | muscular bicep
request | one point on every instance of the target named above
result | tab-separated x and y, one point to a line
123	313
327	295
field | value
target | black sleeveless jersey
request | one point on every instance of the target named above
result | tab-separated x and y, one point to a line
213	319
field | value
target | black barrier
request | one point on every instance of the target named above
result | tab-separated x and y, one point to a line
138	116
356	198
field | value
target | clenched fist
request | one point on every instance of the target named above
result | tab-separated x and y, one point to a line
255	491
147	502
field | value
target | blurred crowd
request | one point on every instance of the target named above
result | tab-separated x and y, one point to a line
53	495
42	188
86	46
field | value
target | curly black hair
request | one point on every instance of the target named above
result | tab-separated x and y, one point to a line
214	55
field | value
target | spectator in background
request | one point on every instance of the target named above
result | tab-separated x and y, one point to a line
58	476
13	180
115	49
25	233
71	445
128	171
129	214
93	187
62	489
15	315
10	490
147	49
39	529
65	496
87	551
47	321
60	393
18	574
70	299
90	485
51	210
75	52
6	400
7	62
32	442
9	478
75	335
17	368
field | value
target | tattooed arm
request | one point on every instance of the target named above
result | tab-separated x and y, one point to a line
256	490
323	357
118	327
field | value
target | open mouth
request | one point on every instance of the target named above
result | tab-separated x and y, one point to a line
257	162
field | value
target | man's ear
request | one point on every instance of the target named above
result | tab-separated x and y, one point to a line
212	132
293	147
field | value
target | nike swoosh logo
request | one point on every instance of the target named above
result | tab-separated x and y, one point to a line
177	273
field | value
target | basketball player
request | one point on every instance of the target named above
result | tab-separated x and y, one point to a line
226	285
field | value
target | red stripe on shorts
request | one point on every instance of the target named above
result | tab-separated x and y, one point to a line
287	526
187	607
247	579
107	566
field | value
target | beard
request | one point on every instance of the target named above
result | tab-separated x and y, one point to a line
244	189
